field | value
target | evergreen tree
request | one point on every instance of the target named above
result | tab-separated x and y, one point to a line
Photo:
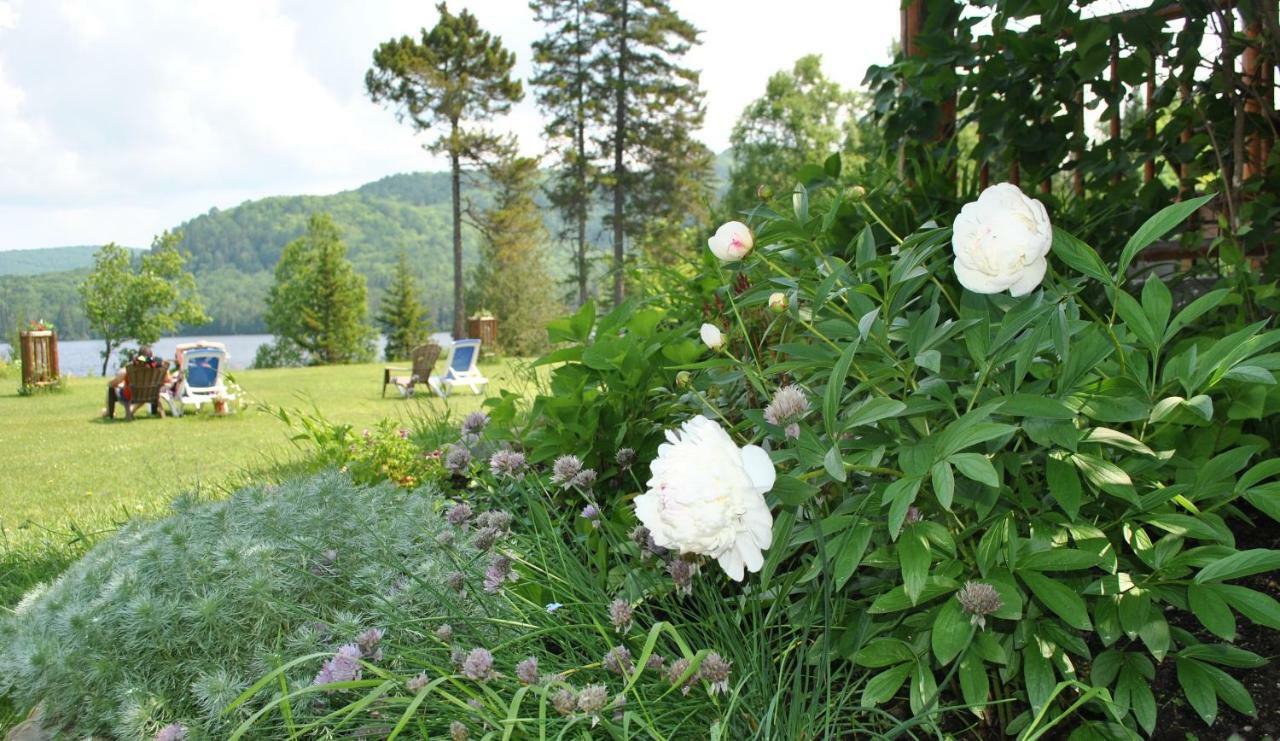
454	76
802	118
512	280
654	104
401	315
318	300
564	78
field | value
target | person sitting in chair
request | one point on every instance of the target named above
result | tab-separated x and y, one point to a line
118	388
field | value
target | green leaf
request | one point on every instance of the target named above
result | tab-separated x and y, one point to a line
914	556
1157	302
1241	564
895	600
1154	228
1029	405
835	389
834	464
1100	472
873	410
881	652
1037	672
1230	690
1059	559
923	686
1134	318
975	686
791	491
832	166
1064	485
882	687
1197	685
1058	598
976	467
1155	634
1261	608
899	495
1221	653
1079	256
1195	310
1211	610
944	484
951	631
849	547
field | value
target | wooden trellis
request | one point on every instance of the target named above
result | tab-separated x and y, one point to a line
39	349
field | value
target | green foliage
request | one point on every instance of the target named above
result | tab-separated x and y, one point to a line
512	280
170	621
801	117
401	315
455	77
140	300
48	260
389	452
318	300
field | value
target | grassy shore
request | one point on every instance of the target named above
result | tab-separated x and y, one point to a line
67	476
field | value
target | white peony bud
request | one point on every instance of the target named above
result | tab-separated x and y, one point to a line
732	241
1001	241
711	336
706	496
778	302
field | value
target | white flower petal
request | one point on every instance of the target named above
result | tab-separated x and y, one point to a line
1029	278
731	562
759	467
1000	242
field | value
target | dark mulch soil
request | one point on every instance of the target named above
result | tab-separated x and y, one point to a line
1177	720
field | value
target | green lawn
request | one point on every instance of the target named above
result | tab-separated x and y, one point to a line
64	471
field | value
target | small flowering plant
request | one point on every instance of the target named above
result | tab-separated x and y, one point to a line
1011	468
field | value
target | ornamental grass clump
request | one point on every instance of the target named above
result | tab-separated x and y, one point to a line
165	624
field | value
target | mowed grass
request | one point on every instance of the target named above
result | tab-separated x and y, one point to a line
68	477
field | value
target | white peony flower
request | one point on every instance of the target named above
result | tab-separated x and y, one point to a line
778	302
706	496
732	241
711	336
1001	241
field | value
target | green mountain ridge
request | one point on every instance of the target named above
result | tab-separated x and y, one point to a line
49	259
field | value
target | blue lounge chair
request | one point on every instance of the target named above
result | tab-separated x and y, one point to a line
460	369
201	367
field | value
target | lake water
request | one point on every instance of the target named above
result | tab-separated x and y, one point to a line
84	357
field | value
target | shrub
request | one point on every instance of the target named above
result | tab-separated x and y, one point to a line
170	621
279	354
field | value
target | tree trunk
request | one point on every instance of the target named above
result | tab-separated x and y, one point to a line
581	162
106	358
459	301
619	133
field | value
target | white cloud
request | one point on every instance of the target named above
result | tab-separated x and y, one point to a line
120	119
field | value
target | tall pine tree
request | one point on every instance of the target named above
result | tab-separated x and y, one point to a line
564	78
655	104
453	77
401	316
512	280
318	300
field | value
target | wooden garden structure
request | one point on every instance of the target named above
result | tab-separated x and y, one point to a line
39	351
1248	33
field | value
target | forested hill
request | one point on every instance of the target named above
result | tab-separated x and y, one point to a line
48	260
234	251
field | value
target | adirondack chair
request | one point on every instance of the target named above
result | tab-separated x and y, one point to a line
460	369
144	384
424	358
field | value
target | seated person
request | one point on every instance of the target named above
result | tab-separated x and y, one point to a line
118	388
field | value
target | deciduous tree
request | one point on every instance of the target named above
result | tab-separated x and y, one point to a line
453	77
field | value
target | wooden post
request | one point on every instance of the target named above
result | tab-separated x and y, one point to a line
1257	91
1117	100
913	16
1184	169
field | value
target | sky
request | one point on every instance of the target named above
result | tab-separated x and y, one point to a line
122	118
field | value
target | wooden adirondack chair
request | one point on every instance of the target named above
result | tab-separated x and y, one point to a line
144	384
424	358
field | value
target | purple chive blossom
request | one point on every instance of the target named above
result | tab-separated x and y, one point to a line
656	662
370	643
715	670
565	469
682	573
445	632
458	731
621	615
643	539
475	423
496	573
457	656
676	671
592	698
585	480
592	513
618	660
343	667
445	537
485	537
497	518
527	670
456	581
457	460
619	707
459	514
478	665
172	732
415	684
507	463
565	701
625	457
914	515
979	600
788	407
